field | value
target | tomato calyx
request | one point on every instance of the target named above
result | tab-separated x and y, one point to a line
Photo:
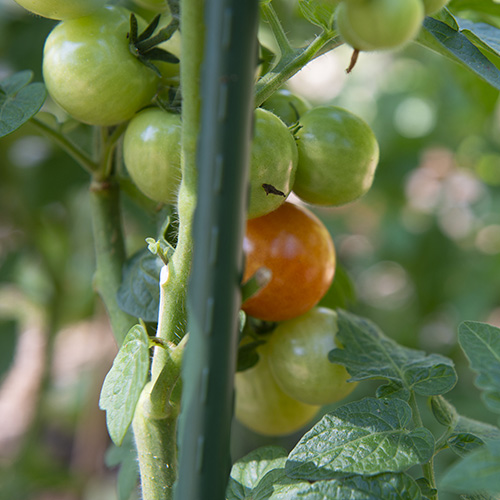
144	45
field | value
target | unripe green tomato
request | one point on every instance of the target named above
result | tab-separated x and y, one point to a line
433	6
90	72
273	164
152	153
263	407
288	106
298	358
338	155
61	9
379	24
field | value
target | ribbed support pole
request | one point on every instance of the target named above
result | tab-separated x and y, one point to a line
214	295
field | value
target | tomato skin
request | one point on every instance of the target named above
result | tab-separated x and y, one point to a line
288	106
379	24
273	163
152	153
298	249
338	155
61	9
298	358
263	407
90	72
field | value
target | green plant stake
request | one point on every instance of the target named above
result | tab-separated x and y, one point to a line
214	290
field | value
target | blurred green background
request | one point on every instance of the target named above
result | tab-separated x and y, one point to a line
421	249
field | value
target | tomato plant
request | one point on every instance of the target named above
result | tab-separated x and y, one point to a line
61	9
179	276
338	155
273	164
263	407
298	358
151	152
297	248
90	72
379	24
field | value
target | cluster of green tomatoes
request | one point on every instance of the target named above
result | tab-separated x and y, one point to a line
100	73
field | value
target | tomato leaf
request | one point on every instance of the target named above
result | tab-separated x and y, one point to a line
248	471
364	437
479	471
124	382
139	293
443	39
481	344
19	101
368	354
386	486
469	434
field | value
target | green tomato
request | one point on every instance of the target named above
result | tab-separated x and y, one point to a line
338	155
61	9
263	407
379	24
152	153
90	72
433	6
288	106
272	165
298	359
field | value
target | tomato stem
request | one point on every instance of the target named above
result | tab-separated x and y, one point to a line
427	468
277	29
82	158
110	252
290	63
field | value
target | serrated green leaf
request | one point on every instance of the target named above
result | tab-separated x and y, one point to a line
445	40
248	471
479	471
380	487
124	382
481	344
365	437
19	101
469	434
139	293
368	354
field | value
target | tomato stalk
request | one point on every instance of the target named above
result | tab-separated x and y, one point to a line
110	252
155	419
291	62
428	467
